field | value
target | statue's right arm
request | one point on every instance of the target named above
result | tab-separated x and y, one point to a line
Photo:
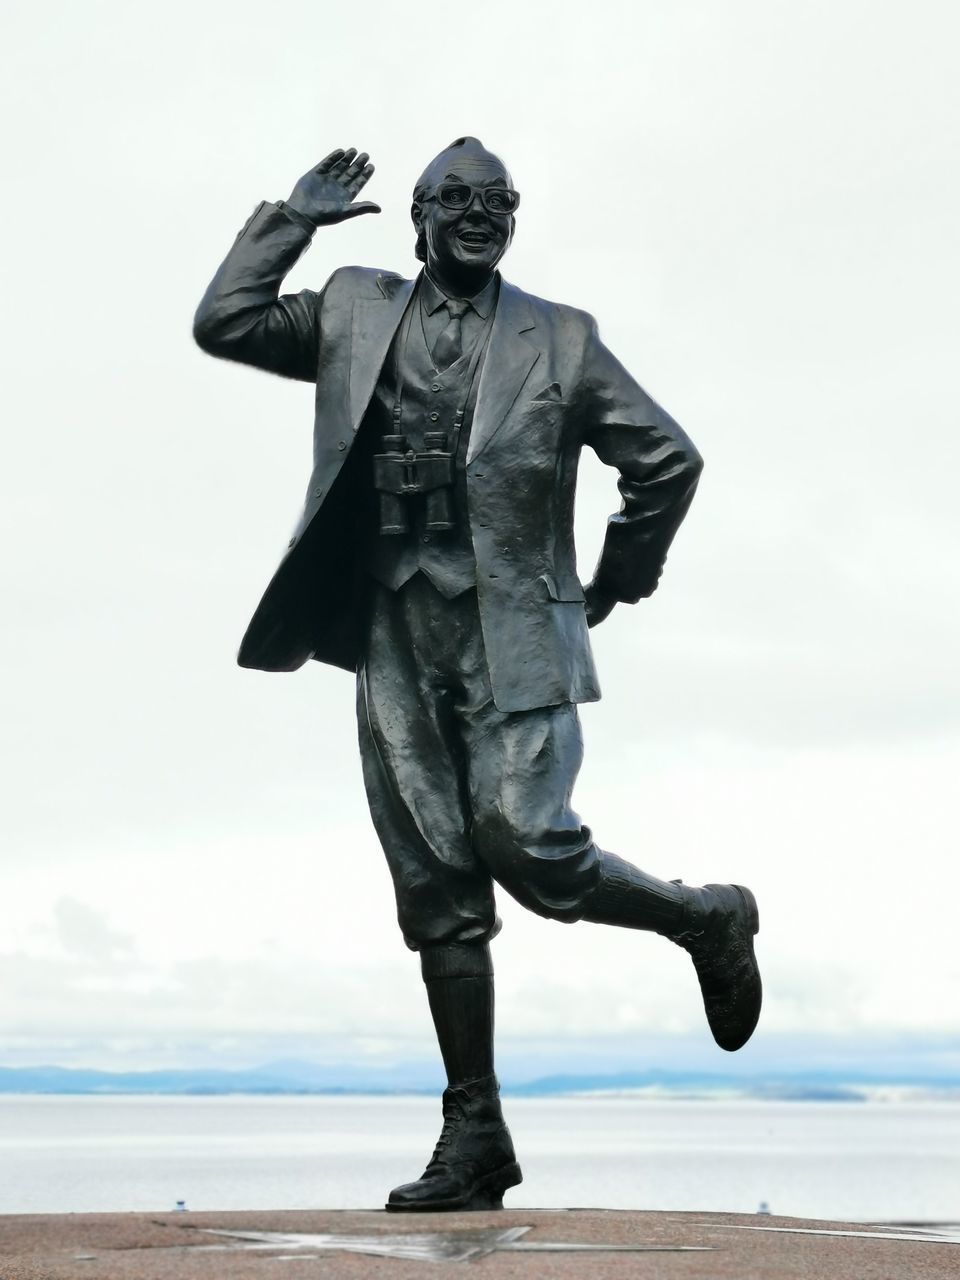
242	315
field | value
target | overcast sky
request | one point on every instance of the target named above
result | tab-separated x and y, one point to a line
759	201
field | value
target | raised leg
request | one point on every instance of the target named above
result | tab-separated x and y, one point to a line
715	924
535	846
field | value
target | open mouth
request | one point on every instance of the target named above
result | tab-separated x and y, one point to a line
474	239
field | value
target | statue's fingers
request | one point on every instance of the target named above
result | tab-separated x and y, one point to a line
365	206
327	161
361	179
356	167
339	167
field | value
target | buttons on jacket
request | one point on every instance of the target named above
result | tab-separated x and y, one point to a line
434	417
341	445
435	386
318	492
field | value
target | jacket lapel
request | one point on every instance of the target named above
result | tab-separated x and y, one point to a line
375	321
506	366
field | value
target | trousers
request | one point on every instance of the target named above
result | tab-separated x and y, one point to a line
463	795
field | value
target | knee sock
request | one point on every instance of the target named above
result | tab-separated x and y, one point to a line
628	897
459	982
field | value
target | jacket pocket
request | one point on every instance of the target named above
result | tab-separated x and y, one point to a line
563	588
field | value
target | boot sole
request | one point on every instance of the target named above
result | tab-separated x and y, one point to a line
486	1193
753	911
753	925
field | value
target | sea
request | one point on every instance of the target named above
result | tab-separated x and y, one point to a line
880	1161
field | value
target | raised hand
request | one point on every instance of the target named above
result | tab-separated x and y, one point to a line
326	193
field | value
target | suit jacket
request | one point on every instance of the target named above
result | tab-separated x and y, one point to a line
548	386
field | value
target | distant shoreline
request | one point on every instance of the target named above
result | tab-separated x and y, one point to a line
353	1079
861	1095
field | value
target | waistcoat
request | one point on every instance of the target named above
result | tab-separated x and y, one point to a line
430	401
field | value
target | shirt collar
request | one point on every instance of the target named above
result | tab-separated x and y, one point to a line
482	302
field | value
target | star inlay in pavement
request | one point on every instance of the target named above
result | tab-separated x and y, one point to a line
426	1246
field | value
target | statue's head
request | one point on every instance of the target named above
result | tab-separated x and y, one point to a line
463	211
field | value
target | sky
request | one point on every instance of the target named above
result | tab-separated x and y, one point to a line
759	201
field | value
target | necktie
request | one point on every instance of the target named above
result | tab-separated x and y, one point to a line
449	346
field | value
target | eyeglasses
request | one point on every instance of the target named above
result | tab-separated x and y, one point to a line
459	195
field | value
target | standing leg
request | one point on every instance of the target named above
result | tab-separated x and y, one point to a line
473	1163
459	983
414	775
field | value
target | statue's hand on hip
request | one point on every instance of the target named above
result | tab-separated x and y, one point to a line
326	193
598	605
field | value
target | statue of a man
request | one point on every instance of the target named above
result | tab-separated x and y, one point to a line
435	557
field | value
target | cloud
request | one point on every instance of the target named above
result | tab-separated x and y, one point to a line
85	935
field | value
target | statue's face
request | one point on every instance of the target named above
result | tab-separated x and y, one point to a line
469	241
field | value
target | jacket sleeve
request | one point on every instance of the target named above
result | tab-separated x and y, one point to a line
241	317
659	470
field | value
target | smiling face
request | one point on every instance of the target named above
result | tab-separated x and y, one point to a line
463	246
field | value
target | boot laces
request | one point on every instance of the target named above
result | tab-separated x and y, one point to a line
452	1115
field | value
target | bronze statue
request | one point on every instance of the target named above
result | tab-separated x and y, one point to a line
435	557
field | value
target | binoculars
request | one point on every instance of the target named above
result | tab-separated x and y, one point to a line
402	475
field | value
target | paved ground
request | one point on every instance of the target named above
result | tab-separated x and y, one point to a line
183	1246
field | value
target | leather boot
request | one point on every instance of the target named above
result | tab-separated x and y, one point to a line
715	925
718	929
473	1163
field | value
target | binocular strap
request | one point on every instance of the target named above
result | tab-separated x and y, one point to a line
473	370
